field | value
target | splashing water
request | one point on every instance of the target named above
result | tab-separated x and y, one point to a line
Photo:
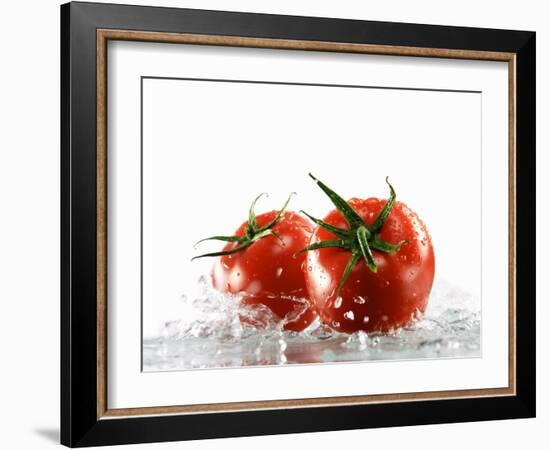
216	330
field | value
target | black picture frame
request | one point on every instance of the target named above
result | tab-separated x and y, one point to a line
80	425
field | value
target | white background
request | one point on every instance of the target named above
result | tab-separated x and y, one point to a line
439	135
210	147
29	242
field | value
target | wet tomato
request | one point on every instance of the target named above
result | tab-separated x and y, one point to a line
259	262
370	264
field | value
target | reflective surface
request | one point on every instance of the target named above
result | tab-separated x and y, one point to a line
211	334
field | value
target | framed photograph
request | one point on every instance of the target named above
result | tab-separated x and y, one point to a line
278	224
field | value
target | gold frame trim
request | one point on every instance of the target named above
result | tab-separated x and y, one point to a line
104	35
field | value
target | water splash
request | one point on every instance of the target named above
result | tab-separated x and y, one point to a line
216	330
223	317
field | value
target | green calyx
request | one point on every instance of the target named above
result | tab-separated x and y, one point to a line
359	238
253	232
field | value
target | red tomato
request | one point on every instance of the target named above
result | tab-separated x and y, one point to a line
396	286
266	270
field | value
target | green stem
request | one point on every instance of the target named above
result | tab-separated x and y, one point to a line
279	214
222	238
339	232
341	205
323	244
381	219
360	238
252	232
226	252
355	257
252	224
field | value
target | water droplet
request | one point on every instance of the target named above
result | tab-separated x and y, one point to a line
358	340
453	344
309	268
335	324
366	319
414	294
322	332
338	303
387	283
279	272
225	266
254	287
384	318
360	300
349	315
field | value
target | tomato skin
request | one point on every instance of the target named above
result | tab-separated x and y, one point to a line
267	272
369	301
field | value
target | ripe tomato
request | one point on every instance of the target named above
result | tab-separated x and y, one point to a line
258	261
370	264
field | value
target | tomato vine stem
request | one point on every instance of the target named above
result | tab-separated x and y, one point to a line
359	238
253	232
